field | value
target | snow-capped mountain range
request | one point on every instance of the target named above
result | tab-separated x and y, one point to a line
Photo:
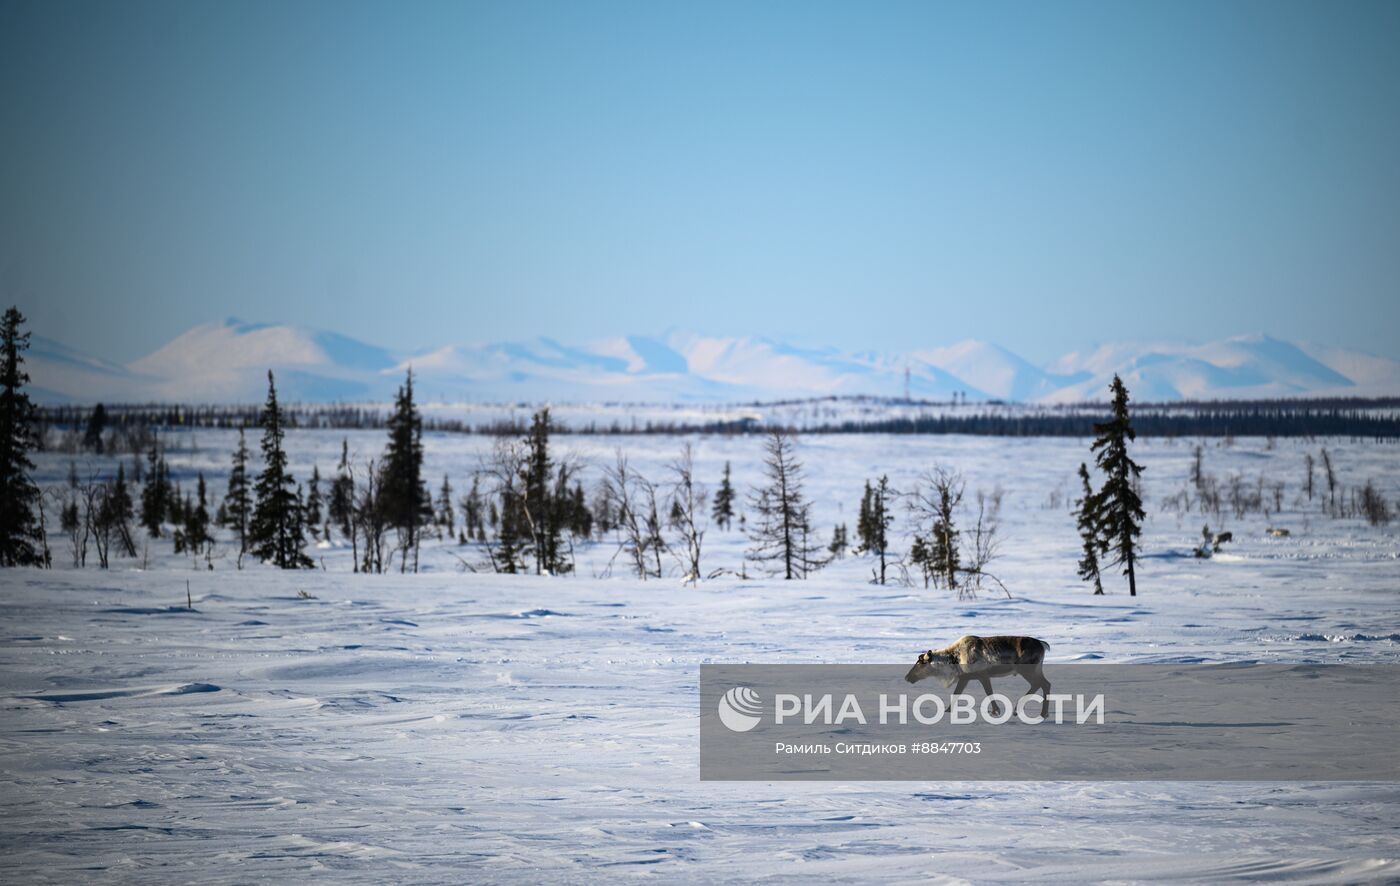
227	362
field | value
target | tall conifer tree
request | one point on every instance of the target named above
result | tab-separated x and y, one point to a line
238	507
445	518
1089	533
313	503
723	512
543	506
97	423
155	493
21	537
781	532
1117	507
402	493
341	508
118	511
875	520
274	533
865	530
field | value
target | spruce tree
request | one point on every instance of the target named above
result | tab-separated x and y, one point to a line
175	499
1117	508
341	508
1089	533
70	521
21	536
511	532
943	549
723	510
299	517
181	536
313	503
446	519
838	545
97	423
154	494
197	519
238	507
402	494
118	511
864	530
580	517
933	505
471	509
922	556
781	533
274	532
542	511
875	521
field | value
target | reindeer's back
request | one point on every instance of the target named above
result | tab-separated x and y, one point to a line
1004	649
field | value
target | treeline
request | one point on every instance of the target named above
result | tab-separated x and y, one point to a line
1375	419
1354	421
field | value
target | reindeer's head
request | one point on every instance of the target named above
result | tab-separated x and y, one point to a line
932	664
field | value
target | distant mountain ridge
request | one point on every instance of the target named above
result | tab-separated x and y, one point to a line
227	362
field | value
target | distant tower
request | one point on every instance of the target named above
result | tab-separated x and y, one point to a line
906	383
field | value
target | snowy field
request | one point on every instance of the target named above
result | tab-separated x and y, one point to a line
455	726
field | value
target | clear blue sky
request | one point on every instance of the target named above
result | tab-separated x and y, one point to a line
866	175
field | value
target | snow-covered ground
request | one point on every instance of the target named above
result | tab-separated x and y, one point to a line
455	726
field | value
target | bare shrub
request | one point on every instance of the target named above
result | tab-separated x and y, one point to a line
1373	505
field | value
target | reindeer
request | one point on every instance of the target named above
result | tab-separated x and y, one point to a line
980	659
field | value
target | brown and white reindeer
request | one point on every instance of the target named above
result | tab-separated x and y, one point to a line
980	659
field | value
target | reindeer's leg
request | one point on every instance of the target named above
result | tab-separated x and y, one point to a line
1033	675
1029	674
1044	690
962	685
987	691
